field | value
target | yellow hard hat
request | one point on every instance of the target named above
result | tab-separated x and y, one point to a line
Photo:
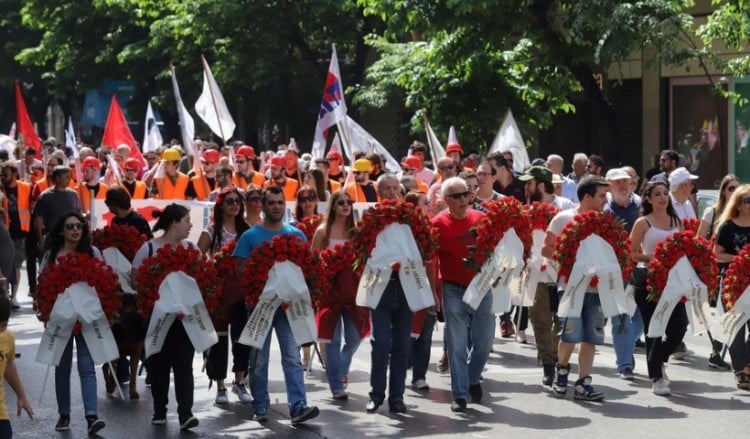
362	165
171	155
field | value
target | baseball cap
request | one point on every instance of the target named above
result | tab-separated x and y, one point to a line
617	174
679	176
537	172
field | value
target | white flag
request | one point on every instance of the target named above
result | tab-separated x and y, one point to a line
509	138
70	138
436	149
187	127
152	139
361	140
211	107
332	106
12	132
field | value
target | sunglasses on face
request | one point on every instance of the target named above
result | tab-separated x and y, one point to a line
344	203
73	226
254	199
307	199
446	168
731	189
232	201
459	195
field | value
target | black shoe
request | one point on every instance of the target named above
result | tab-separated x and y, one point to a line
475	391
716	362
63	424
397	407
549	374
372	406
189	423
459	405
95	424
159	419
640	344
305	414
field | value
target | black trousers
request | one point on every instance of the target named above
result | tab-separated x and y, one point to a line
216	362
739	350
177	356
659	349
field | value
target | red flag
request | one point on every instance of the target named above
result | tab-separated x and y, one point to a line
117	132
25	127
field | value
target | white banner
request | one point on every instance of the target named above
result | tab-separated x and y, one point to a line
681	281
179	294
78	303
733	320
121	266
595	257
395	244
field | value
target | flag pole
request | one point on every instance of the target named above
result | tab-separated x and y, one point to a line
213	100
344	137
433	152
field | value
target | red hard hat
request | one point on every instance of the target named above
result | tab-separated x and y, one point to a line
246	151
334	155
132	164
454	147
412	162
91	162
279	161
211	156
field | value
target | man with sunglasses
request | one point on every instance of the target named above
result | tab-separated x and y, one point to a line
669	160
505	182
362	189
462	323
336	170
245	173
274	210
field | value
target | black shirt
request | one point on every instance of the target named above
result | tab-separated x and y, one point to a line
371	195
136	220
15	220
732	238
515	189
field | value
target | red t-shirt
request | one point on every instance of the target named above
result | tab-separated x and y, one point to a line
454	239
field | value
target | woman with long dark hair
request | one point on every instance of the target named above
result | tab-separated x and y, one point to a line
316	179
732	236
307	203
177	351
658	220
71	235
337	229
227	225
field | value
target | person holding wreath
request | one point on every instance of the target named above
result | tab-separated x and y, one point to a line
177	351
336	231
228	223
70	234
658	220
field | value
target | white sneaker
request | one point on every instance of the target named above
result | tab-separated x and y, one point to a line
221	397
14	303
664	374
420	385
522	336
661	387
241	391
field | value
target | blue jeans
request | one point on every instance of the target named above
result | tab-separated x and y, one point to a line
589	327
338	360
390	339
290	363
626	331
86	372
464	325
421	349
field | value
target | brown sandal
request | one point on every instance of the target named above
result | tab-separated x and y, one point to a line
743	380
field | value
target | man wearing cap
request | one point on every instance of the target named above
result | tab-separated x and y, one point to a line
454	151
362	190
626	330
419	150
409	167
539	187
173	185
278	178
336	164
203	183
505	182
53	203
245	173
669	160
136	189
680	188
90	170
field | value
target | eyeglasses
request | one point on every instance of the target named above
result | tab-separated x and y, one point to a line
79	226
254	199
446	168
308	199
731	189
746	200
472	187
232	201
459	195
344	203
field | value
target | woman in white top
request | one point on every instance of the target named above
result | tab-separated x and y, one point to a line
177	351
658	220
227	225
337	229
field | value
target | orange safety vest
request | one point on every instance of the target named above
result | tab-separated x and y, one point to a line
422	186
335	185
140	191
357	194
290	188
202	189
24	208
169	191
242	183
84	194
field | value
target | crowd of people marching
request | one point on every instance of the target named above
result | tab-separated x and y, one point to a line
45	208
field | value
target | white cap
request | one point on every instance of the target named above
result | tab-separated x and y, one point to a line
617	174
679	176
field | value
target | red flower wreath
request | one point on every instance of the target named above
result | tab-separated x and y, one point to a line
334	260
691	224
280	248
737	278
388	212
540	214
502	214
669	251
309	225
583	225
224	262
154	269
77	267
127	239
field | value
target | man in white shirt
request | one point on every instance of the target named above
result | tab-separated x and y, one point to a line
680	187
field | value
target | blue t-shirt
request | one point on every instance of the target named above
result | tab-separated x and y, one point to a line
258	234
